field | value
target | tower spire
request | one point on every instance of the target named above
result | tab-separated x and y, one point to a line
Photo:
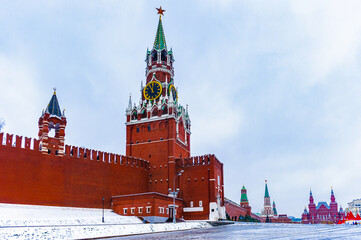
53	107
266	194
159	42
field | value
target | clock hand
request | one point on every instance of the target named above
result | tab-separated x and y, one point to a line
151	88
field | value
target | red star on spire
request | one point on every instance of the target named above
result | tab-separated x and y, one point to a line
160	11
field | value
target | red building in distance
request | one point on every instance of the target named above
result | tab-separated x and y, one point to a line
322	213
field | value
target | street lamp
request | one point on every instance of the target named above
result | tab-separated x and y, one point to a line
174	193
103	211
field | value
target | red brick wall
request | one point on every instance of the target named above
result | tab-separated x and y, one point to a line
234	211
29	177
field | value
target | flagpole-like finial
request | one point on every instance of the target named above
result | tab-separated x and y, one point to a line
54	91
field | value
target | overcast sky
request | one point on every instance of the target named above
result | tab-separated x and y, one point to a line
273	87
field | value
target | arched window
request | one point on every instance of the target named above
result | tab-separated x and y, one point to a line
164	109
149	128
134	115
154	56
163	56
155	112
144	113
137	128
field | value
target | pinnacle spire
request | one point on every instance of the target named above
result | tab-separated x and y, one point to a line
53	107
130	102
159	42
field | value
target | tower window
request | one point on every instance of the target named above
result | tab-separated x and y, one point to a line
163	56
149	128
154	56
137	128
49	151
134	115
56	152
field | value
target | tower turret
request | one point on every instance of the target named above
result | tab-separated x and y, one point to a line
274	209
267	202
244	199
333	205
52	119
312	209
311	197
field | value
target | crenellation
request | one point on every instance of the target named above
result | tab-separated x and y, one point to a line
36	145
2	138
81	153
18	141
27	143
94	155
87	153
117	159
9	140
106	157
67	150
74	152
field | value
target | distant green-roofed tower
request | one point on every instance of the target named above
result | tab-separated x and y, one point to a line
244	199
267	209
266	194
274	208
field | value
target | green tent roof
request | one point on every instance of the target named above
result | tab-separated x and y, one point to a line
266	194
159	42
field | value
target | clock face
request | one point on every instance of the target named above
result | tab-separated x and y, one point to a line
174	92
152	90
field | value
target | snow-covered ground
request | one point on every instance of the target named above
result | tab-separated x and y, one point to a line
42	222
29	215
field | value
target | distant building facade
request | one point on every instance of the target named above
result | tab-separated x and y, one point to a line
355	206
322	213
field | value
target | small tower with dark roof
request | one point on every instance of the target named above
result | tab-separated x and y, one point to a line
52	119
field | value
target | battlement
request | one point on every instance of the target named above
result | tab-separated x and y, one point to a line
84	153
20	142
198	160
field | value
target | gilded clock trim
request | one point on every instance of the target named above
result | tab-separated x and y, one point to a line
150	87
175	91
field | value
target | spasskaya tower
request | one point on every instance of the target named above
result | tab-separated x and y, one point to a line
158	127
